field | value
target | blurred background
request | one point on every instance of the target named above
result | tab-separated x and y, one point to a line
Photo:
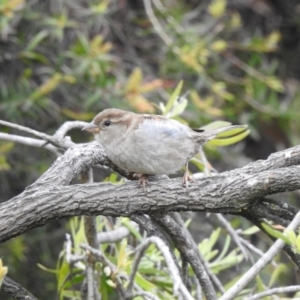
69	59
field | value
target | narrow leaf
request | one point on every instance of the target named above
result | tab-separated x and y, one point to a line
275	233
173	98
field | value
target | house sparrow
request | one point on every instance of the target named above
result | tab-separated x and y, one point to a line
149	144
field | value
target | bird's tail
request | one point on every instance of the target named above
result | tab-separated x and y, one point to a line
225	135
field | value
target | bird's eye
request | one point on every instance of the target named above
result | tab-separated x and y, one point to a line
107	123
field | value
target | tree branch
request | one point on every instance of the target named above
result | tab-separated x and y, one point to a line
229	192
14	289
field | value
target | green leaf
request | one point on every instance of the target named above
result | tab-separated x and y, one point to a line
144	283
179	108
275	233
233	132
225	248
232	259
298	244
173	98
71	294
187	222
206	245
63	275
229	140
211	255
281	268
259	284
3	272
34	56
198	163
251	230
217	8
47	269
33	43
216	125
132	229
291	235
79	236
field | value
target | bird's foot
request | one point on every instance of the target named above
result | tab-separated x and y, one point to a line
143	180
186	179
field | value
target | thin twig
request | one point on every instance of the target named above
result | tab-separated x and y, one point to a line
90	282
233	234
255	250
114	235
29	142
156	25
281	290
71	258
145	295
198	289
243	66
66	143
67	126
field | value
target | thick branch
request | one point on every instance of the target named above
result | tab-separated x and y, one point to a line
50	198
41	203
14	289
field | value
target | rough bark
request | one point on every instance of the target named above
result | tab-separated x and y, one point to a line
235	192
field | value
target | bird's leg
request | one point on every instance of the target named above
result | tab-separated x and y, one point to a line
142	178
186	176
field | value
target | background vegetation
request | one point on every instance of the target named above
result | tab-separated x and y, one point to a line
67	60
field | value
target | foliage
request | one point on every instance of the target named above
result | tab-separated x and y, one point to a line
67	60
152	275
3	272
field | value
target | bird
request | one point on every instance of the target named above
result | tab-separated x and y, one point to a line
148	144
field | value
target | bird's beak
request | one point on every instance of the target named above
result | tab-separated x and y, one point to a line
91	127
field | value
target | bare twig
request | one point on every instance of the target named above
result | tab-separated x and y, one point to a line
71	258
156	25
233	234
198	289
29	142
114	235
67	126
145	295
286	289
66	143
255	250
281	290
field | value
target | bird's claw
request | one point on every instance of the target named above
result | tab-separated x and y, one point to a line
186	179
143	180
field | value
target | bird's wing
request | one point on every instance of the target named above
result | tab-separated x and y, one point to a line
159	127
